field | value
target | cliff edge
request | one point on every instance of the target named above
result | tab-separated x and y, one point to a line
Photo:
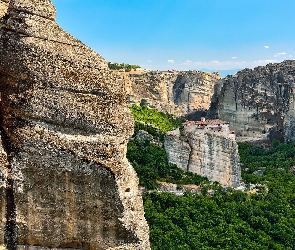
176	92
207	148
65	181
258	103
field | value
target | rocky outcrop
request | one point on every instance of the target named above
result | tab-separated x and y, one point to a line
259	103
3	7
192	90
209	151
152	89
65	126
177	149
174	92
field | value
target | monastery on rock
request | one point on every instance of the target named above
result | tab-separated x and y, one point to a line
208	148
211	126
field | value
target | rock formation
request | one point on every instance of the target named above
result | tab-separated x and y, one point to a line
3	7
178	93
65	181
192	90
259	103
152	89
208	148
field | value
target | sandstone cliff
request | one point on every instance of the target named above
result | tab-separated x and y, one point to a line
3	7
192	90
65	181
259	103
209	151
178	93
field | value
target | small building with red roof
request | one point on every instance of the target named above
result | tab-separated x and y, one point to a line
215	126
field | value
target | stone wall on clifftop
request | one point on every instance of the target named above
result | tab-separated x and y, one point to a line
258	103
65	181
210	152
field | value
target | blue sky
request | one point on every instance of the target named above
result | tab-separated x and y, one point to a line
184	34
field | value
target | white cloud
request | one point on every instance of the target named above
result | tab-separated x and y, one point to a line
226	65
290	56
188	61
234	57
280	54
170	61
266	47
149	61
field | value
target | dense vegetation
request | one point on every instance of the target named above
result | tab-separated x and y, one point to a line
231	219
150	160
151	129
227	219
275	163
164	121
151	165
125	67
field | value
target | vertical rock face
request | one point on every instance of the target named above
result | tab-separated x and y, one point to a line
259	103
178	93
209	151
192	91
153	89
177	149
66	123
3	161
3	179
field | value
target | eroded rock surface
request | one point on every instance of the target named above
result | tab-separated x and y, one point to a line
178	93
3	181
192	90
3	7
66	123
209	151
259	103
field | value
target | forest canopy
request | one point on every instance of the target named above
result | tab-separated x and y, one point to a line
259	218
164	121
230	219
125	67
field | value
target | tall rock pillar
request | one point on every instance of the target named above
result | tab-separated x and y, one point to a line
66	123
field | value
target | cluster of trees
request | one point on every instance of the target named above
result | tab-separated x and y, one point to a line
155	132
163	121
125	67
230	219
274	162
151	165
227	219
149	160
